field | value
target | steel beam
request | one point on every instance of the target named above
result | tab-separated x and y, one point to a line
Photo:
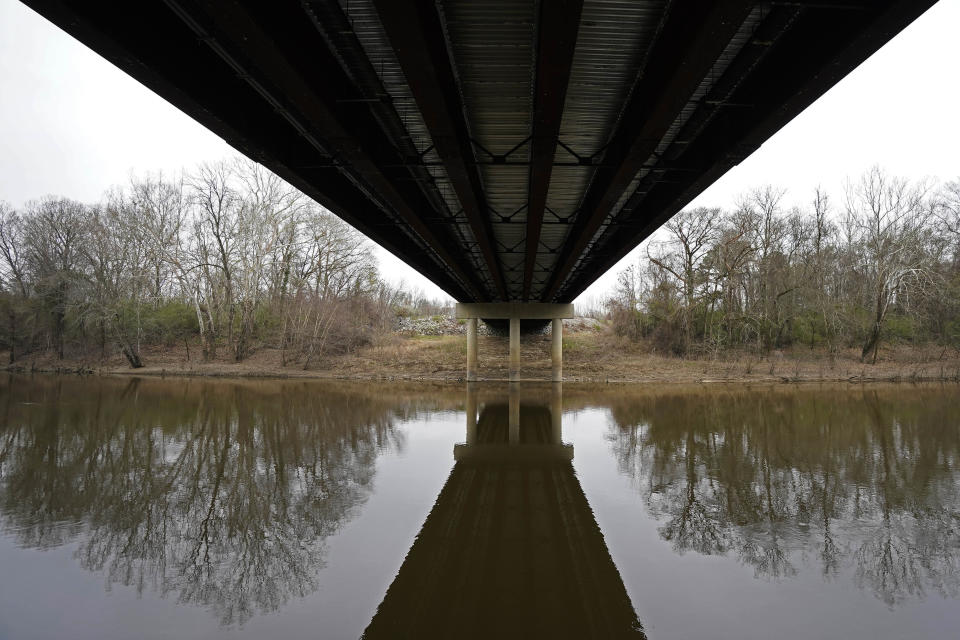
507	310
310	109
240	39
153	45
336	29
415	31
731	135
691	38
557	28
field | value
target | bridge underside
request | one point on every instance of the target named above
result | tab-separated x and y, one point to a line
510	150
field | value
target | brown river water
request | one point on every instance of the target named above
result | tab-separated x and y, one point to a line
197	508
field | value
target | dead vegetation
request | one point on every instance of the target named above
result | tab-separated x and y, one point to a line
588	357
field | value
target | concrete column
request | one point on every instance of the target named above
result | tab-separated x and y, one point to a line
556	350
556	413
514	423
471	414
472	349
514	348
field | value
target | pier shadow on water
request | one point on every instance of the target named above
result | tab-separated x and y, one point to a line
511	548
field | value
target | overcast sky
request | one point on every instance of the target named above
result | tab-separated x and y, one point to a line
72	124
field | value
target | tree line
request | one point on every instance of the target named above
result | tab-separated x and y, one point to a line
227	256
880	263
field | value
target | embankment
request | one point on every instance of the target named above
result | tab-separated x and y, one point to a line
588	357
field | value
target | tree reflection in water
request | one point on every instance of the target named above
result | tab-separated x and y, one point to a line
217	494
864	482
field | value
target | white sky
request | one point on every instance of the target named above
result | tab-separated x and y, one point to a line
73	124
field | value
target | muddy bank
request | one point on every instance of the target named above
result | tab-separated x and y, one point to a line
588	357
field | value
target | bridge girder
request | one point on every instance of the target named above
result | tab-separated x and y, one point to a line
508	150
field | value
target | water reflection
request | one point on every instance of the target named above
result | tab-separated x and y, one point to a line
221	495
865	483
511	548
230	495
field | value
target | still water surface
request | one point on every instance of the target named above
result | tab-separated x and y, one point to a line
137	508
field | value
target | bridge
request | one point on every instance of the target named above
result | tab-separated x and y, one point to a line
509	150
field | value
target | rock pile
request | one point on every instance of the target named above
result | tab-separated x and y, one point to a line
442	325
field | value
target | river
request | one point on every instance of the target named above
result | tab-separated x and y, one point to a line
203	508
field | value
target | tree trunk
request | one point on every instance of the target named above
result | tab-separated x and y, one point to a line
13	335
12	316
129	351
58	333
132	356
103	340
873	340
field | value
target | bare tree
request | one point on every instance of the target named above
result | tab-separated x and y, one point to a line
54	234
767	229
155	210
270	216
254	258
891	218
820	260
691	233
215	230
947	208
13	267
113	264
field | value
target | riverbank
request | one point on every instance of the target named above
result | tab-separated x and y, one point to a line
588	357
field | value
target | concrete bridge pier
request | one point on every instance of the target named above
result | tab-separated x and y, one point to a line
556	351
472	349
472	312
514	348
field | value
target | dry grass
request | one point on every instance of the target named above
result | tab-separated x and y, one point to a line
588	357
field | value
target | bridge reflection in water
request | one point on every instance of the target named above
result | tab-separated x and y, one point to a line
511	548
